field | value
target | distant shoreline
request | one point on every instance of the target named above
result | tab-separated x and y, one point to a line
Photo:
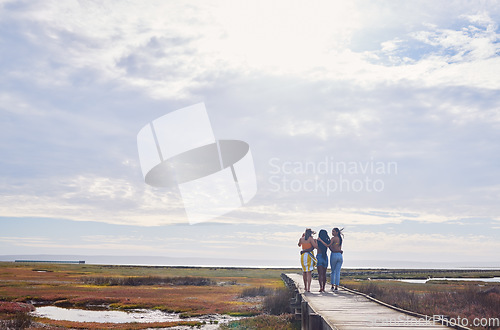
290	268
162	261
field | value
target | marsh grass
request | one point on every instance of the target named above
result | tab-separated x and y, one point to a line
464	300
11	307
281	322
279	302
146	280
122	270
401	298
364	274
204	291
20	320
276	301
256	291
61	324
127	286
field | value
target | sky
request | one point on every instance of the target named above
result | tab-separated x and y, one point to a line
381	117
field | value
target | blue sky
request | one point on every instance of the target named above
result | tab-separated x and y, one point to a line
359	84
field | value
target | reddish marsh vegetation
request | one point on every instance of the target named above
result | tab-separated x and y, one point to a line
147	280
187	291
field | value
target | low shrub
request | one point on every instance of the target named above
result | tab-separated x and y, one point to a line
20	320
279	302
254	292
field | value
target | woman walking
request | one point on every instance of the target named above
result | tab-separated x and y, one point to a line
322	257
336	258
307	259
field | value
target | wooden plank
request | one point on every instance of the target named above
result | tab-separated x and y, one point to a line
345	310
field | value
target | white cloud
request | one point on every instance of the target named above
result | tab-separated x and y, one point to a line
431	247
167	57
90	198
414	84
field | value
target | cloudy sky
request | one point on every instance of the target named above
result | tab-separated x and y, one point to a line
382	117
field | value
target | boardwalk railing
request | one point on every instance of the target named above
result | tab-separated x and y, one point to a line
349	309
300	307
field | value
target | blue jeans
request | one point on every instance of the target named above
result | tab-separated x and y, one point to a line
322	260
336	261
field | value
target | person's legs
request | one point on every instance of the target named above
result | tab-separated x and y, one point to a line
324	272
332	266
303	269
306	262
322	265
320	277
321	271
338	265
323	281
309	279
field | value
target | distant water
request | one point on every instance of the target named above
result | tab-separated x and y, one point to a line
247	263
139	316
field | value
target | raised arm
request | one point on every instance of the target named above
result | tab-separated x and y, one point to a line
327	245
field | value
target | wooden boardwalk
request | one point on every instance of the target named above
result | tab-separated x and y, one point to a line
346	310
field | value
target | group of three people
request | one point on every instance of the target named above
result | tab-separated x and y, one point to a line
309	261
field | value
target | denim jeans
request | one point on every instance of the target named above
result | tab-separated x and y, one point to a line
322	260
336	261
